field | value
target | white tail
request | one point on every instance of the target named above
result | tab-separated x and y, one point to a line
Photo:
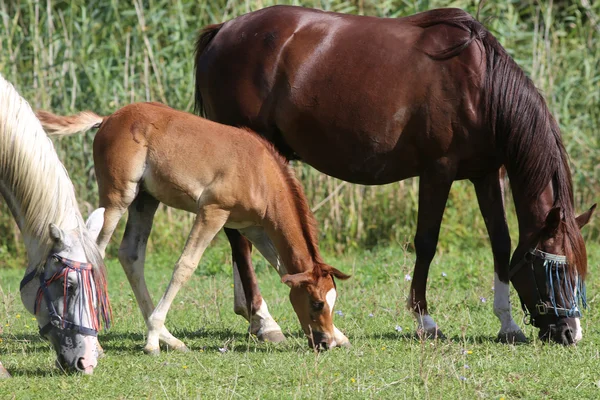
55	125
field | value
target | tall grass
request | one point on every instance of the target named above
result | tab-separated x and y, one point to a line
73	55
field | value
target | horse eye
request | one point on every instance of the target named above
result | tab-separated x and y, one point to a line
317	305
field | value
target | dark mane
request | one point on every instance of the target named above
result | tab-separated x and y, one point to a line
520	121
307	219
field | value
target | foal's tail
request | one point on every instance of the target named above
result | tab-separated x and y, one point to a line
55	125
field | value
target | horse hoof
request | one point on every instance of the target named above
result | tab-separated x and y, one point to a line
272	337
512	337
3	372
152	351
435	333
182	349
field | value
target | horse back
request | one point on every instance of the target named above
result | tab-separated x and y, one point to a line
316	83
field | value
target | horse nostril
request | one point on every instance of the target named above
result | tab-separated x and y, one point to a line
564	335
322	346
79	365
568	336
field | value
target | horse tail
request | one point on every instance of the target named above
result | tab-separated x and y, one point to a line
207	34
55	125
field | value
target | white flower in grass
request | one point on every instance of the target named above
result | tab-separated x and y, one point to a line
482	299
338	312
407	278
398	328
444	274
223	350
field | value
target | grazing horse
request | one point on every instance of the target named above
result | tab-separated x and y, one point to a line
147	153
434	95
65	282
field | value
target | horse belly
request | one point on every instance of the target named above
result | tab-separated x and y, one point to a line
172	192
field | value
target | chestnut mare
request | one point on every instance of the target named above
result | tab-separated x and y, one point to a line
434	95
147	153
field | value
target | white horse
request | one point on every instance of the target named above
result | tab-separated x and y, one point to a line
65	281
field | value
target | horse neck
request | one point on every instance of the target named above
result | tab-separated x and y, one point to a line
290	226
531	211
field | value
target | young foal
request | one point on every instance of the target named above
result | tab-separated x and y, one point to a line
148	153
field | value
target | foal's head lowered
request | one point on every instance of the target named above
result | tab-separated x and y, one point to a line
313	294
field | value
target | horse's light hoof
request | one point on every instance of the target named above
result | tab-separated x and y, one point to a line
152	351
182	348
434	333
3	372
512	337
272	337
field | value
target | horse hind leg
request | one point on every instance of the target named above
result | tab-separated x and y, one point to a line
207	224
248	301
490	196
132	255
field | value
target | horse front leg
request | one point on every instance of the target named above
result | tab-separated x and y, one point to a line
248	301
434	186
490	195
207	224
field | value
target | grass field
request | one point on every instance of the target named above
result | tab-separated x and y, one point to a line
385	360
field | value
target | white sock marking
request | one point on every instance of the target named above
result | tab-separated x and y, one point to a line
502	306
262	322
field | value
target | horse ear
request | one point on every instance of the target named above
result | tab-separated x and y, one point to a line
58	237
297	280
553	221
94	223
584	218
339	274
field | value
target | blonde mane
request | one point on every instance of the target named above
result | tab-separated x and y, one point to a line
34	182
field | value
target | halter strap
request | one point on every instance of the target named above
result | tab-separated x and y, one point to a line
541	308
56	321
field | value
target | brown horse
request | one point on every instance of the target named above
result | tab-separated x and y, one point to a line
147	153
433	95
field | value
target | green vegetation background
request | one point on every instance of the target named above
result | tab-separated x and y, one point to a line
69	56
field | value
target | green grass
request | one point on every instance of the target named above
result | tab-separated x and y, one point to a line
382	362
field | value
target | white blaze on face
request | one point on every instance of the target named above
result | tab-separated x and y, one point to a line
330	298
89	361
578	330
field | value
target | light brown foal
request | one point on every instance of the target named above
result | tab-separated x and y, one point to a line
147	153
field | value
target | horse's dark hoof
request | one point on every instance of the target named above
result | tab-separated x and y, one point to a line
512	337
430	334
272	337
